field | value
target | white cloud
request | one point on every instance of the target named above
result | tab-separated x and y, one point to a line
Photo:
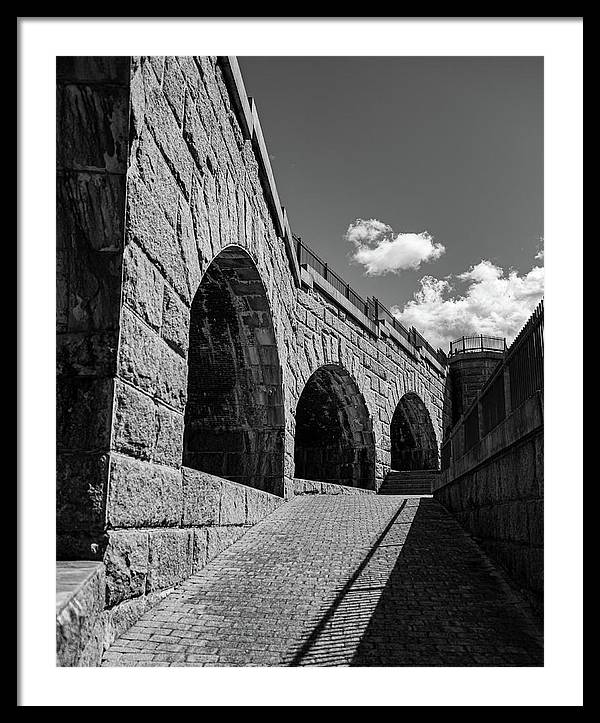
493	302
381	252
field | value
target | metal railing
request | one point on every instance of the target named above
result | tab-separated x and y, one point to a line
385	314
306	256
525	359
372	308
480	342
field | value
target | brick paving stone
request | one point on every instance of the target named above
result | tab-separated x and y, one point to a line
341	581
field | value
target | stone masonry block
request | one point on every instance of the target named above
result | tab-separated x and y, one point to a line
175	322
149	165
134	422
92	127
84	406
139	353
149	228
170	558
126	562
201	498
90	354
232	510
171	384
142	286
174	87
143	494
90	211
81	481
168	448
163	124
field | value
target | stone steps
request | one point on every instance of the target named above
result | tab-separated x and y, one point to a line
409	482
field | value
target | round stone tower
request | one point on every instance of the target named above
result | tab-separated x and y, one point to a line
471	360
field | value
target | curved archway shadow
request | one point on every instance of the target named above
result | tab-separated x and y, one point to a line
413	442
334	439
234	417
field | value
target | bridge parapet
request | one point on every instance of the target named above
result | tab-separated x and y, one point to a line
370	312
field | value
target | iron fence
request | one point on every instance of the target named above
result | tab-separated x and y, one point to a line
525	359
480	342
307	257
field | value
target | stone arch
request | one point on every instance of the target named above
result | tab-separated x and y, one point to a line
234	424
334	439
412	435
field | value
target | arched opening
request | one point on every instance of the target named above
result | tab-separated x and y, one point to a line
414	445
234	417
334	435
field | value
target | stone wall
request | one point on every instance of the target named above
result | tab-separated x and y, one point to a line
92	160
195	189
186	217
142	565
496	491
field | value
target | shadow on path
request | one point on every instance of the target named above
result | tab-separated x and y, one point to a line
426	595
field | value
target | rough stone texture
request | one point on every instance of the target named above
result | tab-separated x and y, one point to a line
170	558
166	211
195	189
79	621
142	494
310	487
185	338
126	564
352	581
92	159
496	491
202	498
190	517
80	505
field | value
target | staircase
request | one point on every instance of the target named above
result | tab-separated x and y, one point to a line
409	482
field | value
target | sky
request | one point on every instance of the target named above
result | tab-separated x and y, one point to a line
419	179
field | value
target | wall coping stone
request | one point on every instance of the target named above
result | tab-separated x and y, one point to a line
298	486
71	577
247	115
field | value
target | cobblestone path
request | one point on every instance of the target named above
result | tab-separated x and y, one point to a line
341	580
